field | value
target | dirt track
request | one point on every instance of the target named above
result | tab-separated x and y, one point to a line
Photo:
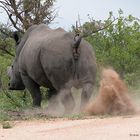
116	128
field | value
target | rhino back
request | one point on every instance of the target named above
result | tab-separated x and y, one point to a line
47	54
47	58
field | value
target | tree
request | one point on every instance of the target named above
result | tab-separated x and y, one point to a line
24	13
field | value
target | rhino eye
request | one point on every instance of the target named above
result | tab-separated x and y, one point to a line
12	66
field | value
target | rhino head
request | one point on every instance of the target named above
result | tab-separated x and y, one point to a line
13	73
15	82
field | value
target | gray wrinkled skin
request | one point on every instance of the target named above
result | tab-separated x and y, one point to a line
44	57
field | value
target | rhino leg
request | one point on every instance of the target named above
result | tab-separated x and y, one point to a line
53	100
34	89
51	93
86	94
67	100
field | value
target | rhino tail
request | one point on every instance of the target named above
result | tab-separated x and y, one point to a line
76	49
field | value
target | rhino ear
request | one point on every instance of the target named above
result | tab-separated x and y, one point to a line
16	37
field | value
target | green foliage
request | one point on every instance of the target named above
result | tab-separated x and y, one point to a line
6	42
118	46
4	116
10	99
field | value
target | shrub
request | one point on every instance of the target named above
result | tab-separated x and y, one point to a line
118	46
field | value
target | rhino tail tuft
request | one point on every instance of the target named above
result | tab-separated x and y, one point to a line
76	49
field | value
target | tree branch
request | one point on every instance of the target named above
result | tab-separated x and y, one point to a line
6	51
14	23
13	5
106	26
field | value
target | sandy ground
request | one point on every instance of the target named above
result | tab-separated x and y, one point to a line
115	128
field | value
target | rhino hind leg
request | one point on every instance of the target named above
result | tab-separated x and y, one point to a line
86	94
67	100
52	99
51	92
34	89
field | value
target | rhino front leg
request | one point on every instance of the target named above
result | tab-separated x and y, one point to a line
67	100
34	89
86	94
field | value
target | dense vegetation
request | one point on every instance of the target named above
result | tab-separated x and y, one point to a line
117	46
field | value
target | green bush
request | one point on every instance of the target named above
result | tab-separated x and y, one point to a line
9	99
118	46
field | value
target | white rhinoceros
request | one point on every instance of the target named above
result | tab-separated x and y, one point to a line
55	59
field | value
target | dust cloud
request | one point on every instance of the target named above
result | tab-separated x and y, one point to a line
56	107
113	97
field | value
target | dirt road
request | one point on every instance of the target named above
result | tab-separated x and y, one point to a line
116	128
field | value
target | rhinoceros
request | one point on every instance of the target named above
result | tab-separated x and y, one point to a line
55	59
